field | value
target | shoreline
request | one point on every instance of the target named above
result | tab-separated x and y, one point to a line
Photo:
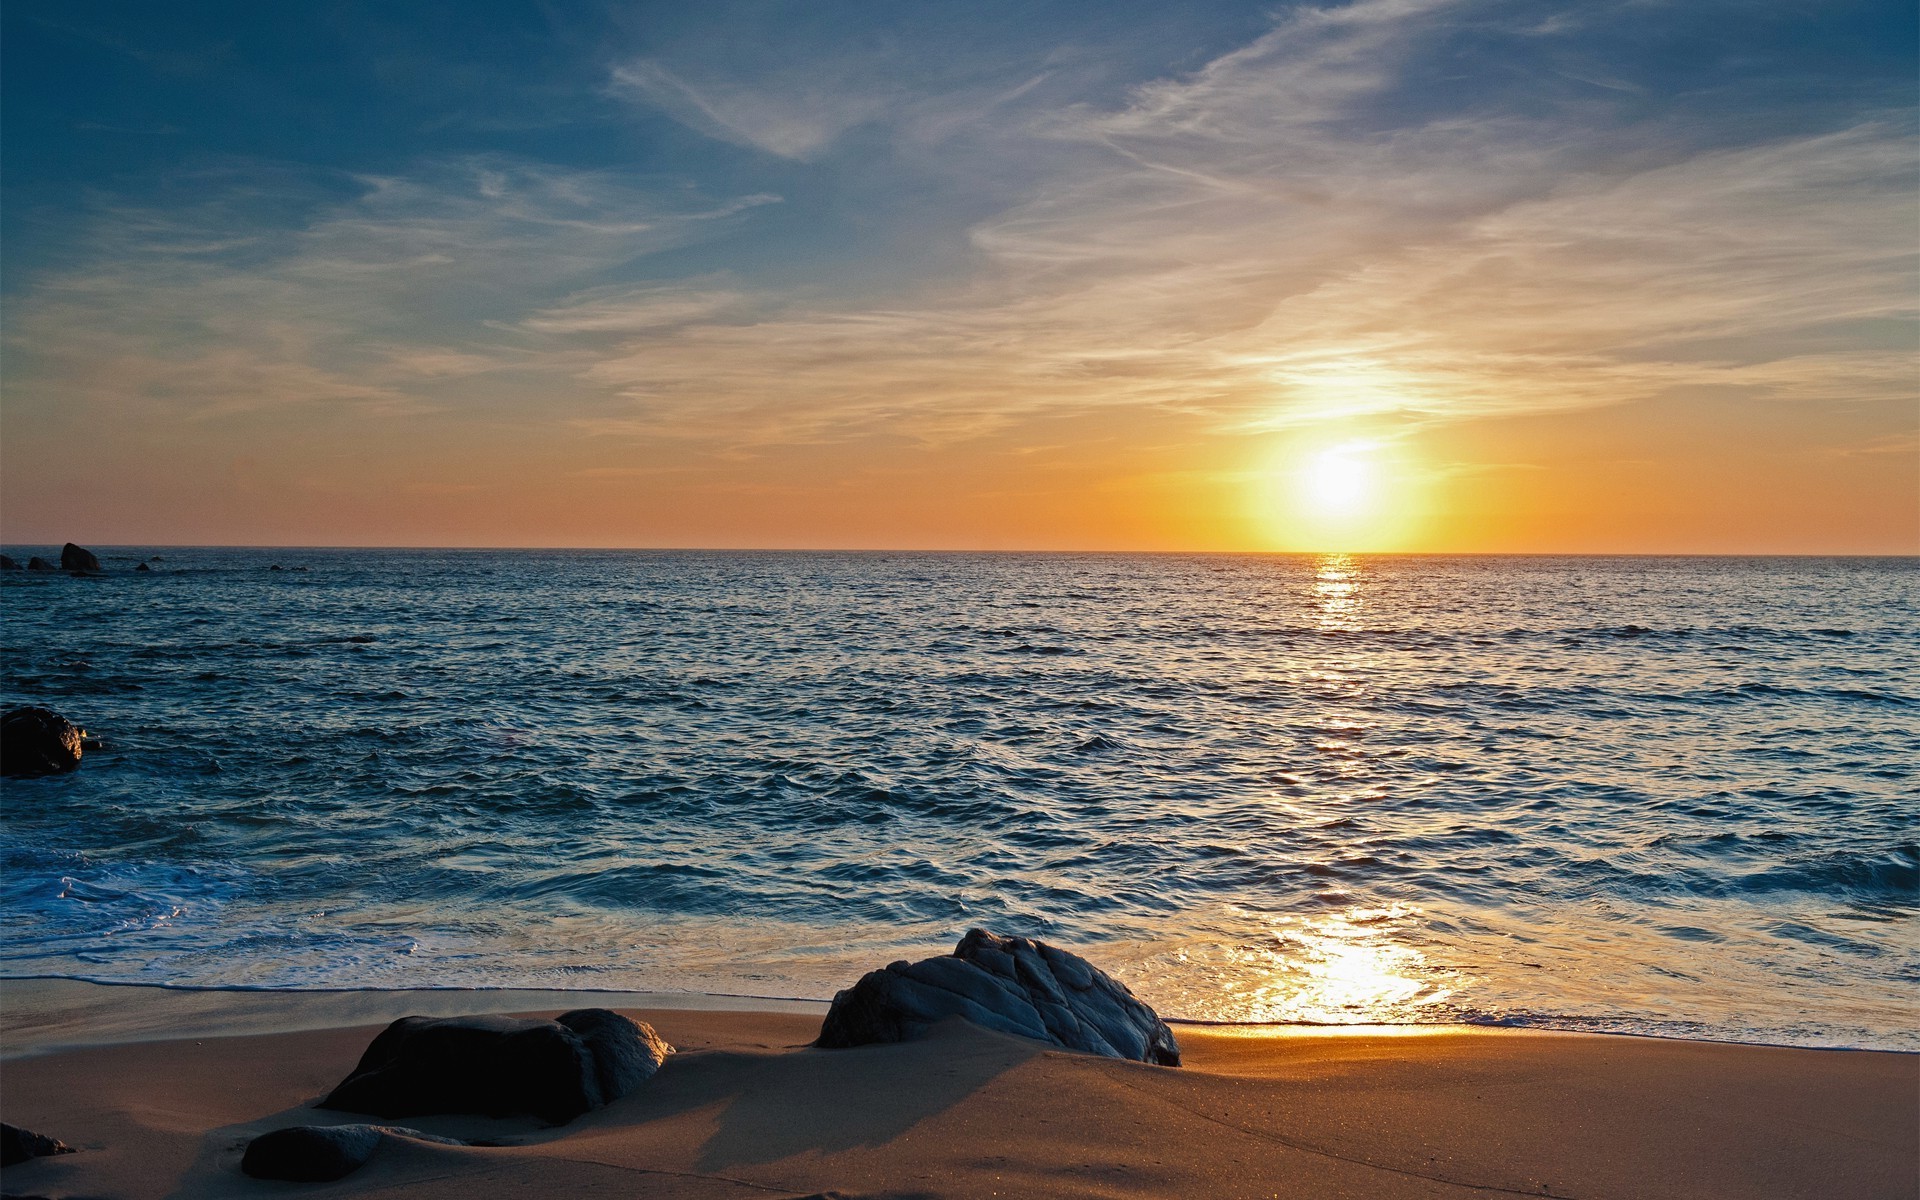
161	1089
356	1001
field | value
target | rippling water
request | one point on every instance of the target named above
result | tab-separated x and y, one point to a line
1656	795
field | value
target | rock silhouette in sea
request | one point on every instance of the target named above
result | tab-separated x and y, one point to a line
39	741
78	558
143	567
1014	985
36	563
321	1153
7	563
17	1145
501	1066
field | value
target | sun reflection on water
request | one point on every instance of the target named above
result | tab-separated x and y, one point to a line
1355	966
1336	591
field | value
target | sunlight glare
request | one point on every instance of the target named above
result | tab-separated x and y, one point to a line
1358	493
1339	481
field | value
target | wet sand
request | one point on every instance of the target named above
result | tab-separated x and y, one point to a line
161	1090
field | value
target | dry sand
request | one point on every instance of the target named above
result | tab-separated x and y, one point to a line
746	1110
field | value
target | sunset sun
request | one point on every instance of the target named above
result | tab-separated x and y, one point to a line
1339	482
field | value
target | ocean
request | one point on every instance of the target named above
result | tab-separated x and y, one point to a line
1669	796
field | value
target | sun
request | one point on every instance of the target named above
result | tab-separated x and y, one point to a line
1354	491
1339	481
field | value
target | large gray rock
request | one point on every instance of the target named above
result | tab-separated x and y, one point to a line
320	1153
17	1145
1014	985
501	1066
39	741
78	558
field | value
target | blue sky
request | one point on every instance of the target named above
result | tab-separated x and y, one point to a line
649	255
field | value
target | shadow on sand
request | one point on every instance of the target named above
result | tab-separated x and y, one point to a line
826	1101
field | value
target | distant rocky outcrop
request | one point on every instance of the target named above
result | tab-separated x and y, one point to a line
1014	985
7	563
39	741
36	563
321	1153
78	558
17	1145
143	567
501	1066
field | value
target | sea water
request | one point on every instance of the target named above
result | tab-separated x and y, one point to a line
1656	795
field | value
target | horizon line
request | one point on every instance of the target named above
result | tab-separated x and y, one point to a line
1893	554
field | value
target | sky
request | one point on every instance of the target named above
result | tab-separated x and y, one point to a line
1389	275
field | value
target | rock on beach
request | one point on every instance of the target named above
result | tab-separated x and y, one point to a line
1014	985
322	1153
17	1145
501	1066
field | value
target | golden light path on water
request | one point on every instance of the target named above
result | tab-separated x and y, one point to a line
1357	964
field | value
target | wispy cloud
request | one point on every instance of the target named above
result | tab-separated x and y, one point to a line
1253	244
1277	237
793	117
371	298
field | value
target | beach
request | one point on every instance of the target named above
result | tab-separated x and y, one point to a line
159	1090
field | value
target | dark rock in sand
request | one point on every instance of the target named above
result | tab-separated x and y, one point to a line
36	563
17	1145
625	1053
1014	985
7	563
39	741
320	1153
77	558
500	1066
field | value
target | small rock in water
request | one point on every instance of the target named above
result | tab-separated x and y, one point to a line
36	563
39	741
1014	985
143	567
17	1145
7	563
500	1066
77	558
320	1153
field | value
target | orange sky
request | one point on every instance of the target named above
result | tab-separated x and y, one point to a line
1738	478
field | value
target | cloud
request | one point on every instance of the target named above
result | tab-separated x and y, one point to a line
1253	243
369	291
1304	229
792	117
623	310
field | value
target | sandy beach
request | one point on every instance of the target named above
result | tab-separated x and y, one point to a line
160	1091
